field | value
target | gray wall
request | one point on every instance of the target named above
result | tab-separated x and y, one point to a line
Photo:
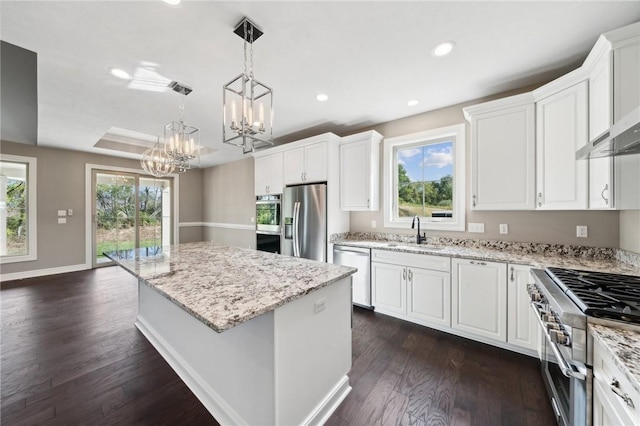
557	227
61	185
190	209
229	200
630	230
19	100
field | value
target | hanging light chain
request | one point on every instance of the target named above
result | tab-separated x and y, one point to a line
181	107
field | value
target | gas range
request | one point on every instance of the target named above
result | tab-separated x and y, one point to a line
565	301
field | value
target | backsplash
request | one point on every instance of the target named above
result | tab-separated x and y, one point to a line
525	248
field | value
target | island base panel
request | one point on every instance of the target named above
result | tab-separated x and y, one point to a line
248	373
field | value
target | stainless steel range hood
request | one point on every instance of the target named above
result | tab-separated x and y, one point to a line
623	138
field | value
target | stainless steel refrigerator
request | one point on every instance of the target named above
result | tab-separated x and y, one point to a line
305	221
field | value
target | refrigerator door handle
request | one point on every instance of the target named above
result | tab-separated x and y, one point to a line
296	222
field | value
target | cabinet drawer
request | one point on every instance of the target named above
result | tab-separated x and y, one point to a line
425	261
609	376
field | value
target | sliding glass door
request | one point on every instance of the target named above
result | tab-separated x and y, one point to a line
130	211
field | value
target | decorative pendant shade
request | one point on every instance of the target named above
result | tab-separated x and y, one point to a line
156	161
248	104
182	142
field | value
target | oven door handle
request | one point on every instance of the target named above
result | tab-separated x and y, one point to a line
565	367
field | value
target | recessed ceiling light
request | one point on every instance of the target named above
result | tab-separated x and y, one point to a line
322	97
172	2
443	49
413	102
117	72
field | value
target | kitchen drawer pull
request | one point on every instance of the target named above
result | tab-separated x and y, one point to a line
473	262
474	200
606	200
404	274
410	275
512	271
615	388
539	199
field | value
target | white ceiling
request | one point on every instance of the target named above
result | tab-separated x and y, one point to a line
370	57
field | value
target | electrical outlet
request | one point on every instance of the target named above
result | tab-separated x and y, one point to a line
321	304
581	231
373	224
62	213
252	219
504	228
70	212
476	227
62	220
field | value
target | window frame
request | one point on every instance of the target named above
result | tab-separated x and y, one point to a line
390	177
32	248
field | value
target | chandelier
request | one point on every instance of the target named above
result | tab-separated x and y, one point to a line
181	142
248	104
156	161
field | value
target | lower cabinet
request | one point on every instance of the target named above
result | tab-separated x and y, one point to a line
479	298
412	292
522	329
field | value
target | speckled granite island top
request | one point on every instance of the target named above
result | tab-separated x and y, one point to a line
225	286
540	259
624	345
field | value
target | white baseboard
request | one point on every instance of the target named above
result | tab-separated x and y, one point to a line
210	399
42	272
218	225
325	409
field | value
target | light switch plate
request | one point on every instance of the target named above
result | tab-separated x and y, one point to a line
62	213
504	228
70	212
62	220
581	231
476	227
373	224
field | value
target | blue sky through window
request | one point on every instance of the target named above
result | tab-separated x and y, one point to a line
428	162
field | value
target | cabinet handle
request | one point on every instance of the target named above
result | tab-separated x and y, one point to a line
512	271
474	200
473	262
368	204
615	388
410	275
404	274
606	188
539	199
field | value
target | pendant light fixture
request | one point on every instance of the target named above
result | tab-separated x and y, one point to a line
182	142
248	104
156	161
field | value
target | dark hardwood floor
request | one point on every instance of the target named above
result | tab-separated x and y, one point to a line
70	355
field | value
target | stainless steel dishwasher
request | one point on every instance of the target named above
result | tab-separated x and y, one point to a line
361	281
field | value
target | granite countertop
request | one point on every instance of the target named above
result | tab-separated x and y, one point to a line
624	346
225	286
545	259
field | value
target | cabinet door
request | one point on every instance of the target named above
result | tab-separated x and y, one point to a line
355	175
479	298
315	162
600	96
626	84
601	183
429	296
522	328
503	159
293	166
268	174
604	412
561	121
389	288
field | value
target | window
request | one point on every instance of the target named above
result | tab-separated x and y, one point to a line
424	176
17	208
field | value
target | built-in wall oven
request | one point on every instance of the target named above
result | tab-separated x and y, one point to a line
268	222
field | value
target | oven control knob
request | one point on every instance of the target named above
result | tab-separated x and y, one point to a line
553	326
549	318
559	336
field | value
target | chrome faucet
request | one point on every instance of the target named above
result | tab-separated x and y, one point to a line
419	238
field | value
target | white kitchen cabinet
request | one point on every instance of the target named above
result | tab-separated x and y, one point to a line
626	69
522	328
561	129
413	287
479	298
615	401
503	153
360	171
269	174
306	164
389	288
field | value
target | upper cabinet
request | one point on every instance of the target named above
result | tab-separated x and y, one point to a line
360	171
268	173
306	164
561	129
503	154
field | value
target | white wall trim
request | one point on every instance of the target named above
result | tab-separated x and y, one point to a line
219	225
42	272
88	202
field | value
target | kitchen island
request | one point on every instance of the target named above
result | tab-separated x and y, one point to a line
259	338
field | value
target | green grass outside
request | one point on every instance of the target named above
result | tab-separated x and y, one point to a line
409	210
107	246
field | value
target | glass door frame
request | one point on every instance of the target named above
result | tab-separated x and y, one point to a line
90	225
